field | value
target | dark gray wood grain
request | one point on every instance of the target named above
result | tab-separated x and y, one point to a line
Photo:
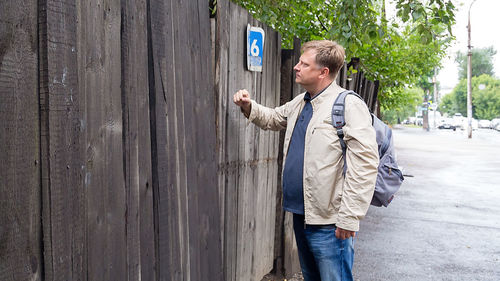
183	142
167	174
137	142
100	79
64	218
20	189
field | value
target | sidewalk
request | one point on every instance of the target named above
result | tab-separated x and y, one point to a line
444	224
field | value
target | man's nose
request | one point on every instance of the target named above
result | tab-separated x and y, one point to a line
296	67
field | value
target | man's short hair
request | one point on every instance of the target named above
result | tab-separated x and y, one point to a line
328	54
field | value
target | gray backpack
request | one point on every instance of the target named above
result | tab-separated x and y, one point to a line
389	177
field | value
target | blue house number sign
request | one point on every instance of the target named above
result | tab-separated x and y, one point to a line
255	48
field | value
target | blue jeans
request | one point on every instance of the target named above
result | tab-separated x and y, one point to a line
322	256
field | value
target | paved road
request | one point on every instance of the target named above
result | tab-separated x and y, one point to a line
444	224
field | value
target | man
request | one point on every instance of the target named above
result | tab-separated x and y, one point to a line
326	204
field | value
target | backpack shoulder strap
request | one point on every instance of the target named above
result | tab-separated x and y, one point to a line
338	110
338	120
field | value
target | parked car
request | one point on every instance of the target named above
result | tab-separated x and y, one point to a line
484	124
495	125
406	122
474	124
459	120
447	123
495	122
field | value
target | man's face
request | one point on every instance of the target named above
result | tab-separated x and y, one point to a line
307	71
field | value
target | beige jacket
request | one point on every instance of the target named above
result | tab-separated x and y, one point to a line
328	197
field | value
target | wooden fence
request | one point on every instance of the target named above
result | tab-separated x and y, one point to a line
123	155
108	128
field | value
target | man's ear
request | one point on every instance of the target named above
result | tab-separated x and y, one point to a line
325	72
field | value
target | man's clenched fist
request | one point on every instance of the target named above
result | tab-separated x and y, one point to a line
242	99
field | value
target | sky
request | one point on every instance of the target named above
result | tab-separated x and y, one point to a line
485	32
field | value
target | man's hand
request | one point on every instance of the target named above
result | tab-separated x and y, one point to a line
242	99
344	234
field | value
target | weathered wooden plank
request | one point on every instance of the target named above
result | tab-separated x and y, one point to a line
370	86
291	258
100	79
20	190
137	142
244	166
184	141
286	88
375	106
274	147
232	140
342	76
202	183
179	93
250	183
245	241
223	102
44	132
168	173
212	257
183	96
361	84
61	146
297	89
365	88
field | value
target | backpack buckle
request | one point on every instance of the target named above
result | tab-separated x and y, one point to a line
340	133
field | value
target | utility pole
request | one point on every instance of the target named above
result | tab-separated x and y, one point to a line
434	81
425	112
469	77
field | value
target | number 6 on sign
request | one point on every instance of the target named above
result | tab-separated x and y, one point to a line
255	48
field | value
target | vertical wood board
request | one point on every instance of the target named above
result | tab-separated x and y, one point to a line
100	70
137	143
62	158
20	189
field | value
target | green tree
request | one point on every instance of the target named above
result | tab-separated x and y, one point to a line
396	51
481	62
485	98
448	105
412	98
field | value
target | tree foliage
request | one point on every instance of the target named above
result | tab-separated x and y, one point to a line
449	105
396	51
412	98
485	98
481	62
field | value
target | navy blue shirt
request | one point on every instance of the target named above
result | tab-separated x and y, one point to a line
293	194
